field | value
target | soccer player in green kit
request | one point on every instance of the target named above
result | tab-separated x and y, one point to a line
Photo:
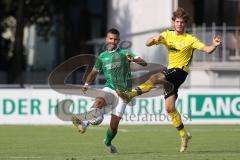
181	46
115	64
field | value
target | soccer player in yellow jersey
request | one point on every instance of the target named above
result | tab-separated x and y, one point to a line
180	47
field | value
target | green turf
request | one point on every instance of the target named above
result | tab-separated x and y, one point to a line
149	142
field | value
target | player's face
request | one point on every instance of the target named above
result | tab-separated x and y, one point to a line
179	25
112	41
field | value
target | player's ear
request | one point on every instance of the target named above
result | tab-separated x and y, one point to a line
173	23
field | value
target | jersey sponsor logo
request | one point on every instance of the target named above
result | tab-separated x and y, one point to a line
113	65
173	44
181	44
106	59
173	49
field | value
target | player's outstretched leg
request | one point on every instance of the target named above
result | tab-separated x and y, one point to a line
143	88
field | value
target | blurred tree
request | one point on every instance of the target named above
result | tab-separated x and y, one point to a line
27	12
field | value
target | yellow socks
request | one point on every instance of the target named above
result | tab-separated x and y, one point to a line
177	122
143	88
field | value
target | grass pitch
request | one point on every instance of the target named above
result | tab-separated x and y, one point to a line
151	142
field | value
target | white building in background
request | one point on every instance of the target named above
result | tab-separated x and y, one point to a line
133	16
141	19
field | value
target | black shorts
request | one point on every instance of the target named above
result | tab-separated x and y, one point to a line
176	76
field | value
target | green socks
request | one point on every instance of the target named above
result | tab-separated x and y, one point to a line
109	137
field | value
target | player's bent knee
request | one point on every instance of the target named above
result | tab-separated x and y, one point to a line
100	102
170	109
157	78
114	122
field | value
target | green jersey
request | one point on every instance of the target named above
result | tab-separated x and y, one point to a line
116	69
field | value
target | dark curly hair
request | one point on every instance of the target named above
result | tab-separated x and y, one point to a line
180	13
113	31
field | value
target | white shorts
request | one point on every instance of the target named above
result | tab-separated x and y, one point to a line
112	99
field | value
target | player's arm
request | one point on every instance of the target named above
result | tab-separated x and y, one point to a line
93	74
90	78
153	40
136	59
139	61
215	43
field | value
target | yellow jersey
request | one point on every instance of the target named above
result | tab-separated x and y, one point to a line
180	48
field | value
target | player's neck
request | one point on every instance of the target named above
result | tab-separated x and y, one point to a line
112	50
179	33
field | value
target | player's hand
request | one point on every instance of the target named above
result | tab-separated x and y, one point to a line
129	57
157	38
85	88
216	41
154	40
